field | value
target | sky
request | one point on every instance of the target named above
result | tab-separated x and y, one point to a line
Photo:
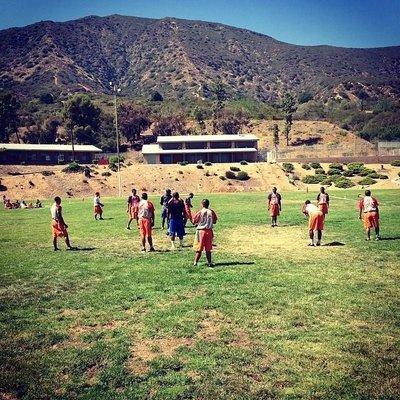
347	23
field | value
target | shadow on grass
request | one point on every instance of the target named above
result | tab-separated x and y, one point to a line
391	238
232	263
83	249
334	244
105	219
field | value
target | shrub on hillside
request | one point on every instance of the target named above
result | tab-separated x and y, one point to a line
47	173
315	165
348	173
242	176
355	167
288	167
326	182
199	166
183	163
230	175
374	175
367	181
335	178
319	171
235	169
106	173
113	167
208	164
223	178
114	159
395	163
73	167
336	166
313	179
305	166
344	183
382	176
334	171
366	172
243	162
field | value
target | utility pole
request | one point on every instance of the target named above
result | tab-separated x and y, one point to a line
116	91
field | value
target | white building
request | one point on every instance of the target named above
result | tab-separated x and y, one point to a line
195	148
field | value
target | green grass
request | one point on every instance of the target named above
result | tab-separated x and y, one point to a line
273	318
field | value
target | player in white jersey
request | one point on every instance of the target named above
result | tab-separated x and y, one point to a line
97	206
369	213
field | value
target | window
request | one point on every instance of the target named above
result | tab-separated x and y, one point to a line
246	144
61	157
171	146
196	145
48	158
220	145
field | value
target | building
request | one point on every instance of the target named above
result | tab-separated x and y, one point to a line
195	148
11	153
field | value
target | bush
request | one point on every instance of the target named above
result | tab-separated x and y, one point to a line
344	183
199	166
335	178
208	164
47	173
374	175
242	176
395	163
106	173
319	171
243	162
183	163
326	182
313	179
348	173
366	172
305	166
336	166
223	178
315	165
367	181
235	169
355	167
230	175
73	167
288	167
334	171
114	159
113	167
382	176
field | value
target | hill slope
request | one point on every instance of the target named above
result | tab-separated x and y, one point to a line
182	58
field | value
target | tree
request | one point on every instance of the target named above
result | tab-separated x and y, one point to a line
230	123
169	126
46	98
156	96
288	107
275	132
220	96
82	119
199	115
107	138
48	131
133	120
305	97
9	118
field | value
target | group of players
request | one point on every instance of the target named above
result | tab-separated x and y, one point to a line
177	212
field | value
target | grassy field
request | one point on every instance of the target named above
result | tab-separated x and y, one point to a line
273	319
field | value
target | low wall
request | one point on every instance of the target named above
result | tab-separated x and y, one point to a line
364	159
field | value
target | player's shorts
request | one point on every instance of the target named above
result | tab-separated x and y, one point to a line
316	221
371	220
145	227
58	229
324	208
164	212
134	212
203	240
176	227
98	210
274	210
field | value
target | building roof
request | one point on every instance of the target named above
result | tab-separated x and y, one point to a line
156	149
205	138
49	147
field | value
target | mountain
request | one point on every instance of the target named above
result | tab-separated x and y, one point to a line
182	58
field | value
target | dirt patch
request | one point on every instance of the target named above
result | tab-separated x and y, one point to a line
146	350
